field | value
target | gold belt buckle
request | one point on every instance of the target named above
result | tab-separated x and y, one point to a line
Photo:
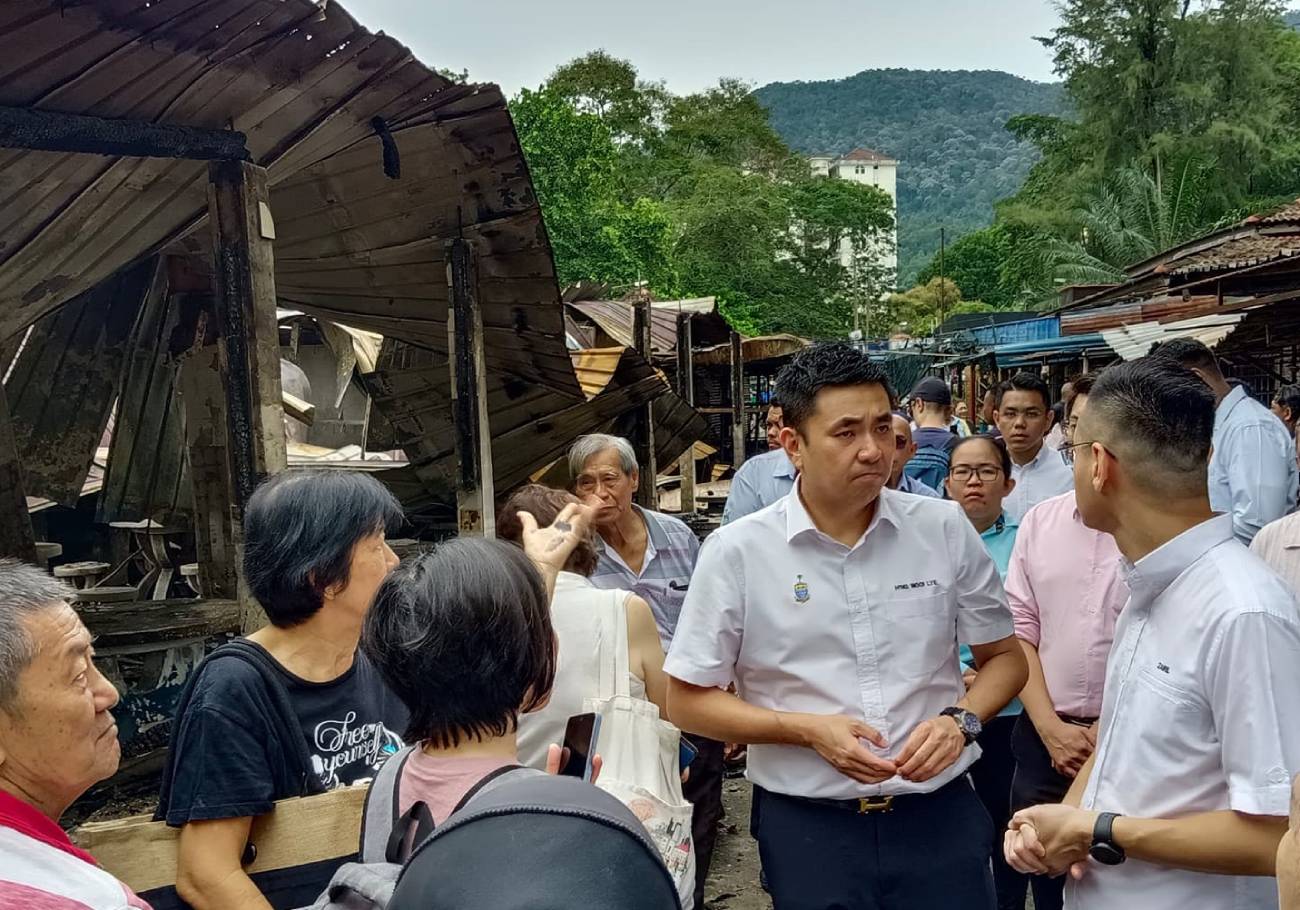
867	804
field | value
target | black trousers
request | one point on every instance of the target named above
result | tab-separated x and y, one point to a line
1035	782
703	789
992	776
929	851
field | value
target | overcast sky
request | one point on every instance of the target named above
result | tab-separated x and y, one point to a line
691	43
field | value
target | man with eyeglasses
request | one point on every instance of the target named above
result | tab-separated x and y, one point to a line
1024	415
1065	592
904	449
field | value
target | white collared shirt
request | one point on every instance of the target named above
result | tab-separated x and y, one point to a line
1201	713
1279	546
1252	467
1047	475
803	623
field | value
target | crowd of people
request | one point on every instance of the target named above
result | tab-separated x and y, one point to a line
1058	653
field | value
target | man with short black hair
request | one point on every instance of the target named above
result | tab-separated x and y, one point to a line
837	614
773	423
1023	413
1184	801
1286	405
1253	466
931	404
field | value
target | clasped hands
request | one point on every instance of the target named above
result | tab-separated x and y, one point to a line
928	751
1050	840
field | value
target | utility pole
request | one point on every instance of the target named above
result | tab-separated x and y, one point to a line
943	277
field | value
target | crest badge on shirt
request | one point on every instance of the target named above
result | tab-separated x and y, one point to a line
800	590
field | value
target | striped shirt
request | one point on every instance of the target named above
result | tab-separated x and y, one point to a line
1279	546
670	551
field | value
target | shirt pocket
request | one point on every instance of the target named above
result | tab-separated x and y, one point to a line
915	635
1166	720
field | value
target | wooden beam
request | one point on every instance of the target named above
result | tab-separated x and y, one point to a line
249	347
647	493
686	389
206	448
295	407
53	131
738	424
475	490
16	537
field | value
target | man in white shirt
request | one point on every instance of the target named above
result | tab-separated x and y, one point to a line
837	612
1023	412
1184	801
1253	466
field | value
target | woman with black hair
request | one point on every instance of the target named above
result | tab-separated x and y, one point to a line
295	708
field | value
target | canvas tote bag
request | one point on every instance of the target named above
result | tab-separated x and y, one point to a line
639	752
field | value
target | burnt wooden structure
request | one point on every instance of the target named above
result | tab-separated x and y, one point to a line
173	173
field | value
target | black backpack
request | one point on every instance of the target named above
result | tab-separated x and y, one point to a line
538	843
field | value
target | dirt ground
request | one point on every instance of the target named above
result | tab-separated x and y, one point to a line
733	877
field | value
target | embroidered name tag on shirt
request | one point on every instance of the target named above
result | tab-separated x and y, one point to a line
911	585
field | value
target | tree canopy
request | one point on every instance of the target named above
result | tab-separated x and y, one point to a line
696	195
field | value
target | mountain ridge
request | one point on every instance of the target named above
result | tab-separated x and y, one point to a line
946	128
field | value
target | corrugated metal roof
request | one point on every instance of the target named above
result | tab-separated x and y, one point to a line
1133	341
615	319
752	350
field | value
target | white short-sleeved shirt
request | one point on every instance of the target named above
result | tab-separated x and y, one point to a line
1047	475
803	623
1252	465
1201	713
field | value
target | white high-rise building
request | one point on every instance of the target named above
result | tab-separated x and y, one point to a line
871	168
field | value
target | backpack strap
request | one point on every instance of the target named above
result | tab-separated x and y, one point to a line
412	828
486	783
379	815
257	657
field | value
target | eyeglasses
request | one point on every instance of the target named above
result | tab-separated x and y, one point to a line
1067	449
985	472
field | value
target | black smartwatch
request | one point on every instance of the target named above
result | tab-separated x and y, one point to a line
967	722
1104	849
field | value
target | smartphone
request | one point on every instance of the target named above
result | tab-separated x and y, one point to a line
580	738
686	754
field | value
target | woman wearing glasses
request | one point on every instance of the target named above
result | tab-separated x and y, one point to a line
979	478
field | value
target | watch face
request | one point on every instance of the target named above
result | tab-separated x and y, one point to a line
1107	854
971	724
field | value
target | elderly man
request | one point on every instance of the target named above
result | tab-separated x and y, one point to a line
57	739
652	555
904	449
1184	801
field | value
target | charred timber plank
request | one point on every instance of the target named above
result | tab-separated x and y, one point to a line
52	131
206	443
738	423
686	389
647	494
16	537
249	348
474	482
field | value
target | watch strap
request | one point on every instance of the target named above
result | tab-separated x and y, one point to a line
1103	831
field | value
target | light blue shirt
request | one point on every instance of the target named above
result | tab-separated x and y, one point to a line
761	481
908	484
999	540
1252	468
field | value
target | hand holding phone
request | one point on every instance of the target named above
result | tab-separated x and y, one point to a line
579	752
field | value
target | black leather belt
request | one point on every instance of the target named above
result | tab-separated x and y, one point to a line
872	805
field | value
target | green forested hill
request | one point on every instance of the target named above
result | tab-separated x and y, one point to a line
945	127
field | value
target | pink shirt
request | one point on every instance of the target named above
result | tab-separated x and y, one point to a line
1065	589
441	783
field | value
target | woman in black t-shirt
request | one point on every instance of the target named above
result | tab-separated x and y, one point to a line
314	556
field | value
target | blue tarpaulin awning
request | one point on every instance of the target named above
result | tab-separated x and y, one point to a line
1052	350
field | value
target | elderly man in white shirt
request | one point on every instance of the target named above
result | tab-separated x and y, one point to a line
837	613
1023	413
1185	799
1253	466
